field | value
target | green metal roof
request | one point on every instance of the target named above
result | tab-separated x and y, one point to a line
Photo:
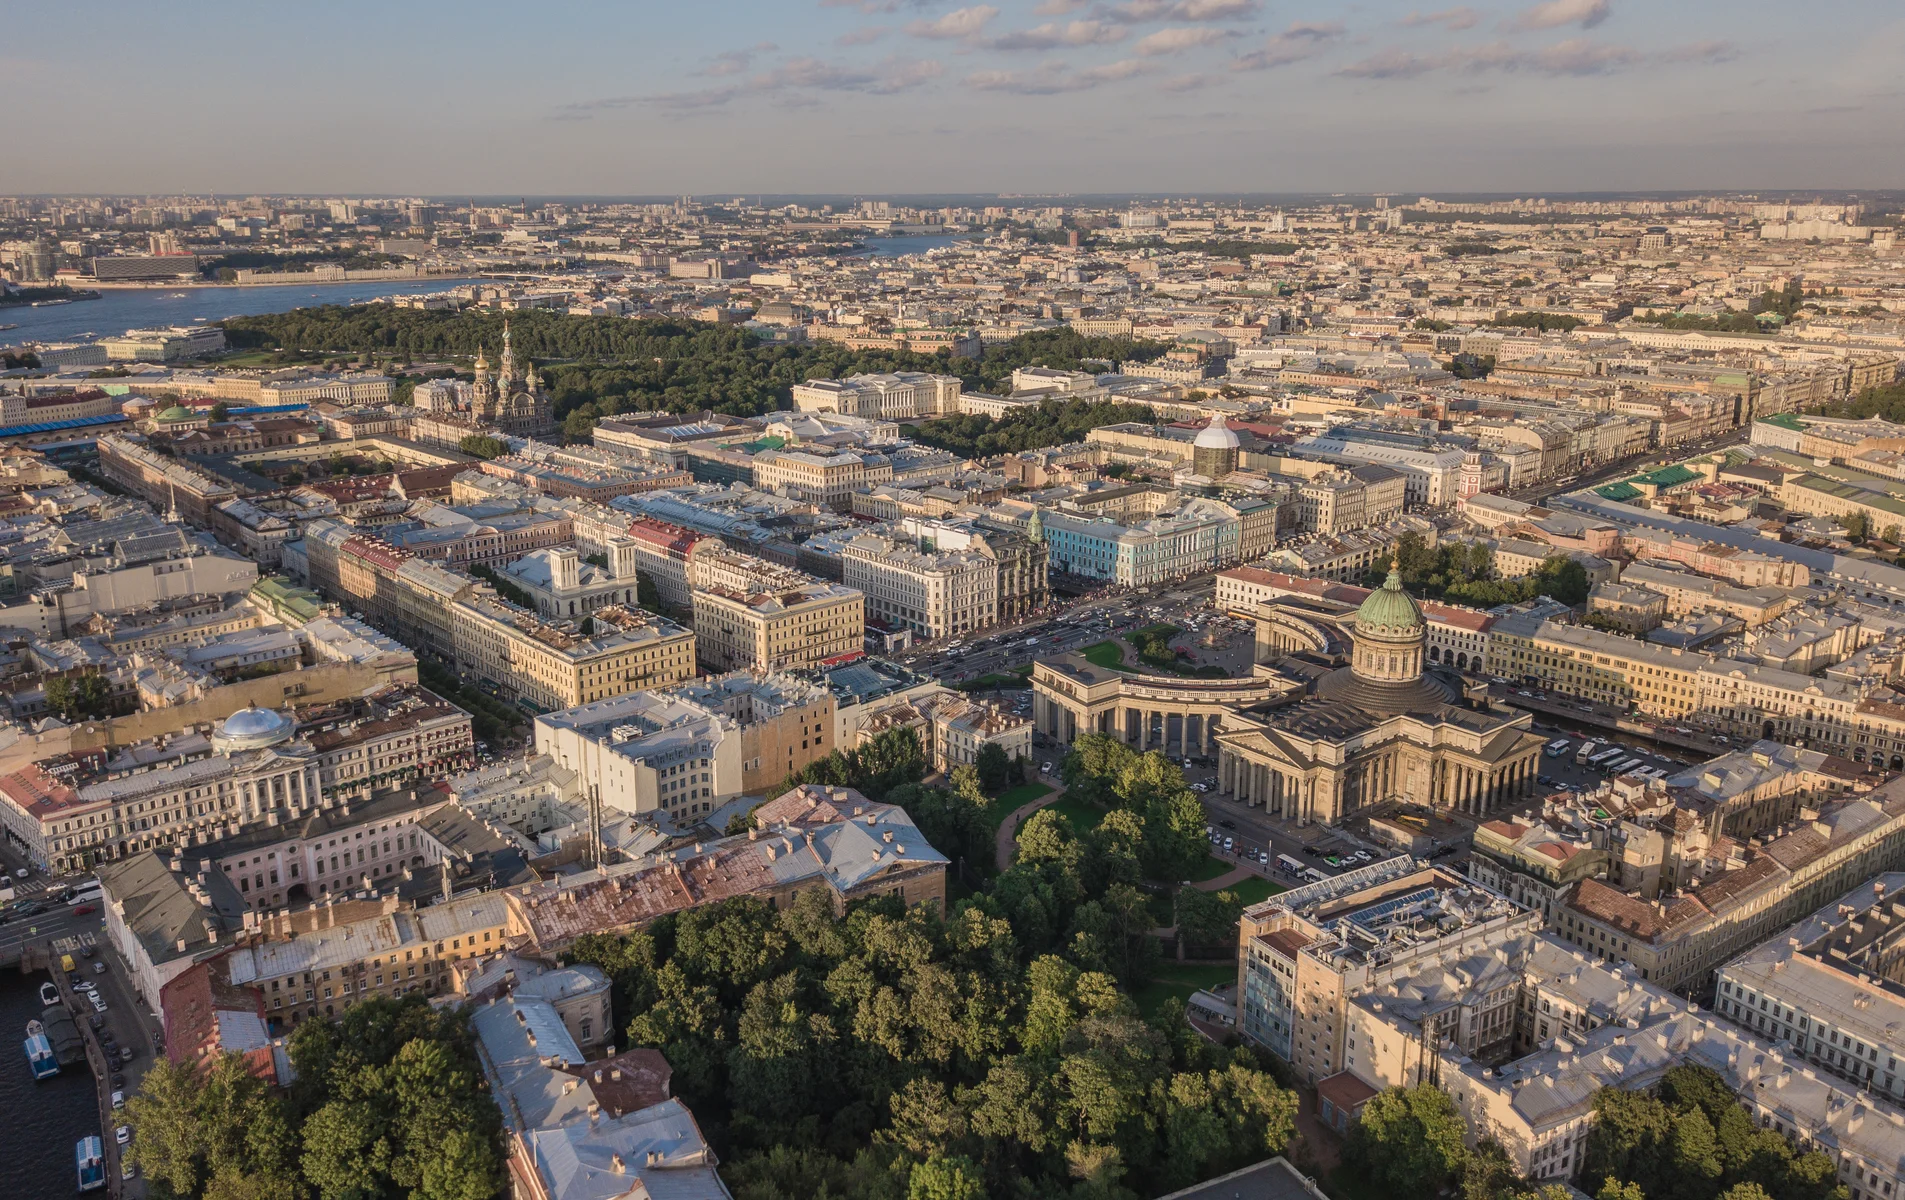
1672	476
1784	421
1618	491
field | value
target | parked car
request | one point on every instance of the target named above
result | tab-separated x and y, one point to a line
118	1100
99	968
127	1170
122	1135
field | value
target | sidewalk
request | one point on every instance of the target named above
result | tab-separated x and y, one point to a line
1006	841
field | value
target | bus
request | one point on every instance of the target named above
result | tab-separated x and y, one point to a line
90	1154
1606	758
1291	865
1624	766
1587	751
1557	748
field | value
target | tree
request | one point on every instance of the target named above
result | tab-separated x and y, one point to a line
79	697
1855	526
221	412
1208	918
171	1143
994	767
1409	1140
955	1178
479	445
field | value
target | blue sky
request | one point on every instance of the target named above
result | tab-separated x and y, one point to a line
897	96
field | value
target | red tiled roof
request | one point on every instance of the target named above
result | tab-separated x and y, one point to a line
37	793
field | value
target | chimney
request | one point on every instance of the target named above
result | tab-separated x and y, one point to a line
654	1158
615	1161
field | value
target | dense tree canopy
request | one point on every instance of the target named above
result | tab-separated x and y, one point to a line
388	1103
1052	423
1694	1141
898	1054
609	365
1462	572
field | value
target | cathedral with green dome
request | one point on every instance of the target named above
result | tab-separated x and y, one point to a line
1382	726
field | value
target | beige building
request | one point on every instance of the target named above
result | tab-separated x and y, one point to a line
934	592
1308	954
899	396
753	615
553	667
828	480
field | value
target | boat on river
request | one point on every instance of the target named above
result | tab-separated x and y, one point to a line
90	1154
40	1058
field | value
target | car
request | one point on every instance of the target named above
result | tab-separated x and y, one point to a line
21	873
1312	851
99	967
1228	842
118	1080
84	910
118	1100
1228	824
127	1170
122	1135
125	1054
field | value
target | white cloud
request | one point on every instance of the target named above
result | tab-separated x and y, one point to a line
1579	57
1556	13
1177	40
1057	8
1139	11
1448	18
957	25
862	37
1054	78
790	83
1052	35
1298	42
733	62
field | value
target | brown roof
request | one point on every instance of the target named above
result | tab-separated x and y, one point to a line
1729	888
1630	914
629	1082
1345	1091
1286	941
1507	829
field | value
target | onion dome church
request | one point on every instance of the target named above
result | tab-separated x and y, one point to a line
511	400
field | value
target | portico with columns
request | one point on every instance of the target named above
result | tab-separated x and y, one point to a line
1379	730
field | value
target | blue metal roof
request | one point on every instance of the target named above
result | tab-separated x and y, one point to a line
54	426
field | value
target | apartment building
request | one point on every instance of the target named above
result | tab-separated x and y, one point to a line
551	666
1582	1026
665	554
958	729
1677	941
561	586
390	738
831	839
1331	504
1687	593
916	585
74	810
1309	952
1829	987
827	480
751	614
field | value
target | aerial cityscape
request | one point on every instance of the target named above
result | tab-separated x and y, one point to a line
887	600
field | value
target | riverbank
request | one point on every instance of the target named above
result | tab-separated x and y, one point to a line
289	279
33	297
121	309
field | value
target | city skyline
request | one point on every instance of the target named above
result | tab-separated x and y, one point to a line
915	96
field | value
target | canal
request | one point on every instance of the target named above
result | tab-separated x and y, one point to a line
39	1122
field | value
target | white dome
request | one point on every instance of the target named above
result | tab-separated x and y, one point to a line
251	729
1216	436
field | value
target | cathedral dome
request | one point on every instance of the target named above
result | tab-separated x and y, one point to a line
251	729
1216	436
178	412
1389	608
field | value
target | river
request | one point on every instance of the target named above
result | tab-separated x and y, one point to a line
44	1119
120	309
907	243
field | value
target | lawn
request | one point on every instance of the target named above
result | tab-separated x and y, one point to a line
1109	655
1255	889
1083	816
995	682
1005	802
1210	868
1180	980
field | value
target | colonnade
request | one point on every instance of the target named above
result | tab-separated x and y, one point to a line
1141	728
1328	795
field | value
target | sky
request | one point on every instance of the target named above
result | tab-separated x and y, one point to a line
891	97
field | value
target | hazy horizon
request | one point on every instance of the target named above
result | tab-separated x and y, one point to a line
911	97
